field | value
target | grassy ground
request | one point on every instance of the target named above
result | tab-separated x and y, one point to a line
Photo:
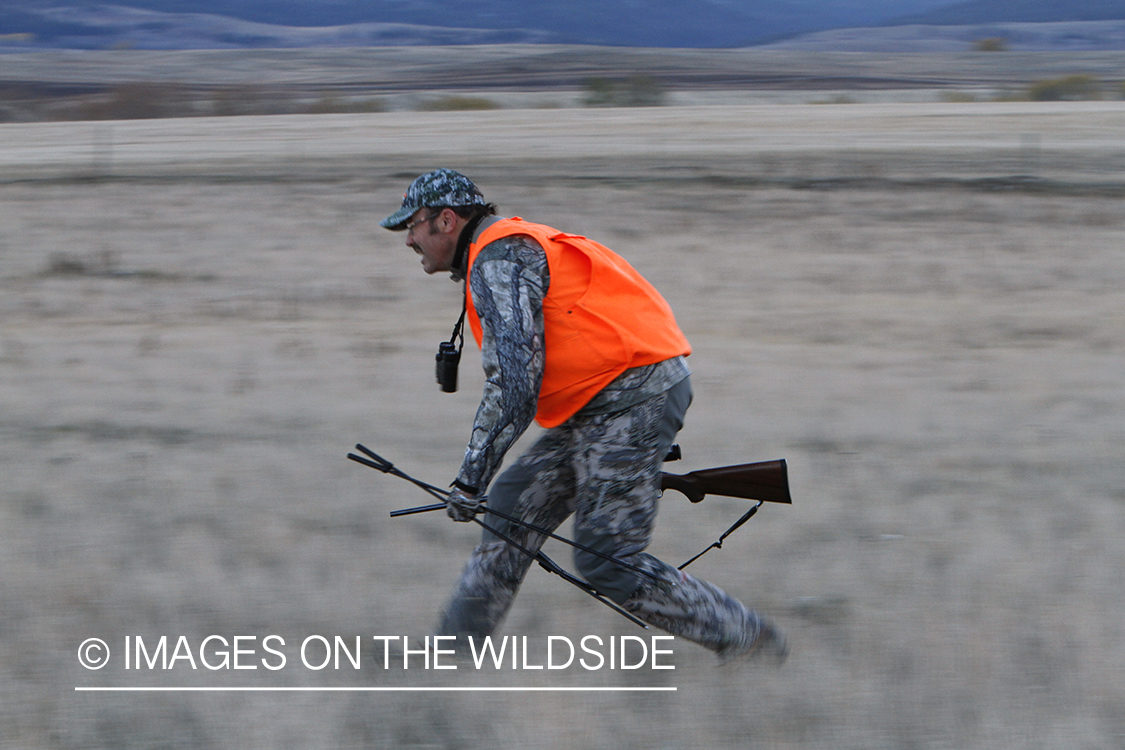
919	307
128	84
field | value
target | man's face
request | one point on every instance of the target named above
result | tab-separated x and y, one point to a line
427	232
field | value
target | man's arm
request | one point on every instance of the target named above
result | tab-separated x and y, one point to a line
508	281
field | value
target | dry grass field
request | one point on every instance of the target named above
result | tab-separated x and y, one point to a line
126	84
920	306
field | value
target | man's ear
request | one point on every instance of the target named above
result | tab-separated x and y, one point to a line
447	220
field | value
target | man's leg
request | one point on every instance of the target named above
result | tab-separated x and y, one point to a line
538	489
618	483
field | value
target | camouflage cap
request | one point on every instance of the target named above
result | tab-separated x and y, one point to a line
442	187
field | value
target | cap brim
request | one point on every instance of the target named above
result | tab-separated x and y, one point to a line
396	222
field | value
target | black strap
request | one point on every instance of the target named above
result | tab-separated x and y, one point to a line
463	243
458	334
719	544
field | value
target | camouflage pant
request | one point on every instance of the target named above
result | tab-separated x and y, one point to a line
605	470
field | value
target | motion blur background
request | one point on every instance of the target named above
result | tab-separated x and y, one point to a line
900	269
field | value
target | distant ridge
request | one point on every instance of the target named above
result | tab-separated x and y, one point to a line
224	24
1019	11
138	28
1072	36
256	24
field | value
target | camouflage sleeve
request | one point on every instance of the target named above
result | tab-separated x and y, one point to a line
508	281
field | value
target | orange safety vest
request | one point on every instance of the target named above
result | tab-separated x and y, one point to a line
600	318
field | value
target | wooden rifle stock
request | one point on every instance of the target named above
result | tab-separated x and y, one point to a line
765	480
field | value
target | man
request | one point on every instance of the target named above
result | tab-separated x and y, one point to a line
572	336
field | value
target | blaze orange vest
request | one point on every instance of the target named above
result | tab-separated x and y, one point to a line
600	318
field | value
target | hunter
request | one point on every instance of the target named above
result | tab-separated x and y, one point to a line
573	337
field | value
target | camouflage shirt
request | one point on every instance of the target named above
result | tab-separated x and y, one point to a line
509	280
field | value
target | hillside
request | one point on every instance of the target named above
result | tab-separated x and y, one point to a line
1020	11
209	24
1070	36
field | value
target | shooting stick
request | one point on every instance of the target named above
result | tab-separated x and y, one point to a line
385	466
379	463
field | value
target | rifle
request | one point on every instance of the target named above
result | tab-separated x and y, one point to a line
765	480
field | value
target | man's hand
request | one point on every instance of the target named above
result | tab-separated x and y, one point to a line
461	506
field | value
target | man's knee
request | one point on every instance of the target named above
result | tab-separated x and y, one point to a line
609	579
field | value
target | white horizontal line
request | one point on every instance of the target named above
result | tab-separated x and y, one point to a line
371	689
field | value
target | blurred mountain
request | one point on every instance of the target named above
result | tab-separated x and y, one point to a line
1063	36
1018	25
186	24
1019	11
218	24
